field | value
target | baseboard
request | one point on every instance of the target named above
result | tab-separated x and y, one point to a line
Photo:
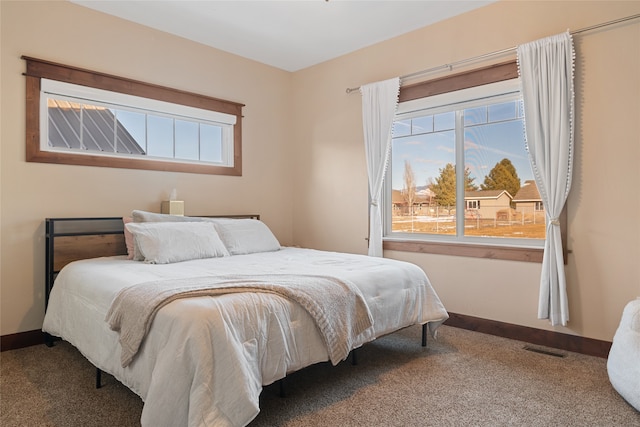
21	340
574	343
588	346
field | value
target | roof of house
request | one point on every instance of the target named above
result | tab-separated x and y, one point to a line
485	194
528	192
398	198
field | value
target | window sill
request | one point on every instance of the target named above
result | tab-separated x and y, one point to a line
466	250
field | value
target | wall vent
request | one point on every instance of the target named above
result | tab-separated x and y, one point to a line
543	351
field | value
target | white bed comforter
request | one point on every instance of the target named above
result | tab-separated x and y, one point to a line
337	306
205	359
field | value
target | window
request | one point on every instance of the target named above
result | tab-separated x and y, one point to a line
459	152
76	116
77	119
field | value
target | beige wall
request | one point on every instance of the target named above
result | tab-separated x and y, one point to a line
304	167
70	34
330	209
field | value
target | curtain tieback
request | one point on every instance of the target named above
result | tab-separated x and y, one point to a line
555	221
374	203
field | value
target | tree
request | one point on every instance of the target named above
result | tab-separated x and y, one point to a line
468	181
445	186
503	176
409	190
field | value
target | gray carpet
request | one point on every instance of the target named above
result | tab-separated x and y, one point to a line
463	379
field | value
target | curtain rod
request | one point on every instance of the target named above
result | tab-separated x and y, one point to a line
498	52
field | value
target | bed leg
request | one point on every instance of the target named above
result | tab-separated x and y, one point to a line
281	386
424	335
354	357
48	339
98	378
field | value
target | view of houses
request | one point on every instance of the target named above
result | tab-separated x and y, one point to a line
493	213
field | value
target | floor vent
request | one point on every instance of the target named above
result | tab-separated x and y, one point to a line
543	351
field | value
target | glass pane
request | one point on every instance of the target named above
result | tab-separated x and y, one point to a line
473	116
422	201
186	140
64	124
500	179
444	121
503	111
131	132
210	143
422	125
402	128
160	136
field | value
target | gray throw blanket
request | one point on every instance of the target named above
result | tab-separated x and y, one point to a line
337	306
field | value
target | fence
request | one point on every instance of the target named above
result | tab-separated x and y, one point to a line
526	222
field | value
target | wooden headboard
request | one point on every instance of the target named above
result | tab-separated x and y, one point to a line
73	239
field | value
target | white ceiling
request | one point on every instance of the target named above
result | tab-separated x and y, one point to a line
290	35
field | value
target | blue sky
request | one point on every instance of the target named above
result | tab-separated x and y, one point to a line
193	140
485	145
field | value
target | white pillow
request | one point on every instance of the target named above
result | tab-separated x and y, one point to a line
144	216
246	236
167	242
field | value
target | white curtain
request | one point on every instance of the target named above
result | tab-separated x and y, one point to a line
379	103
546	73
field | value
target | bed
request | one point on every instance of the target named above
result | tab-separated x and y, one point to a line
197	324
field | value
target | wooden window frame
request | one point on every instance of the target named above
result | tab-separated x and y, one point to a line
38	69
464	80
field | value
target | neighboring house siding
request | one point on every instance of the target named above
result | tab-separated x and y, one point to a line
528	200
525	206
493	204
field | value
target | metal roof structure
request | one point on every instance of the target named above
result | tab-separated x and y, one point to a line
88	127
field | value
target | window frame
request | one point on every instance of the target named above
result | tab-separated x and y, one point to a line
464	80
38	69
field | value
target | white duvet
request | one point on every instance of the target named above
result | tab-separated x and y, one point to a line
205	359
